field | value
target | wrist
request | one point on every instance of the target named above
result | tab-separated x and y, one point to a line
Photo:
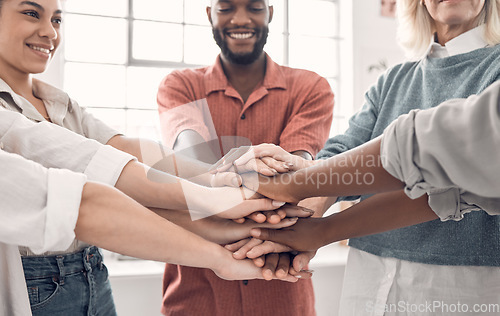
220	257
331	230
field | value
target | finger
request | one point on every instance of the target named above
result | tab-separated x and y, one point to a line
258	151
303	275
242	252
291	278
286	222
257	217
270	266
283	265
279	236
272	217
265	248
237	245
230	157
282	213
226	179
296	211
247	207
302	259
279	166
259	262
239	220
263	168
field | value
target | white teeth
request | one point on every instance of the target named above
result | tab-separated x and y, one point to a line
240	35
40	49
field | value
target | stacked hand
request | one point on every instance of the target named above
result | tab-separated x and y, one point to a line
278	259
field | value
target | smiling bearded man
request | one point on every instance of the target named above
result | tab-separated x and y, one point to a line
245	98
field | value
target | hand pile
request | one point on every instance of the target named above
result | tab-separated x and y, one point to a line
278	248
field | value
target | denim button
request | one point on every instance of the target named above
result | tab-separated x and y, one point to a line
245	282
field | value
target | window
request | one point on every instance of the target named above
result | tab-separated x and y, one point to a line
116	52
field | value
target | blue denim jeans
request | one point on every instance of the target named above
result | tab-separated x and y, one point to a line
73	284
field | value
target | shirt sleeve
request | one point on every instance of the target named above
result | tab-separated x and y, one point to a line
308	129
449	152
46	220
180	110
55	147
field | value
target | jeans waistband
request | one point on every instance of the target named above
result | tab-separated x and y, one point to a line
61	265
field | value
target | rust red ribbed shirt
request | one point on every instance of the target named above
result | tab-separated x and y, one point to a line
291	108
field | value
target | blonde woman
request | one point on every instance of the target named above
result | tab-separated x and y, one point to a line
456	47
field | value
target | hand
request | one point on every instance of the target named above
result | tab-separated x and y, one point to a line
280	187
272	156
229	268
308	234
278	265
229	179
225	202
254	248
267	165
223	231
318	204
261	252
274	217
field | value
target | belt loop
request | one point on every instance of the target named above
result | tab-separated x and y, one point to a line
86	259
91	280
60	265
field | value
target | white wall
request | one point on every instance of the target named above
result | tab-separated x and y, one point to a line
374	40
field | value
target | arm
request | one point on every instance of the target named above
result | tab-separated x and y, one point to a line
357	171
46	219
111	220
374	215
216	229
181	163
60	148
454	144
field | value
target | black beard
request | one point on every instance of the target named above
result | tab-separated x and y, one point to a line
246	58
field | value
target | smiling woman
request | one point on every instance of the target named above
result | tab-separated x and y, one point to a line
31	47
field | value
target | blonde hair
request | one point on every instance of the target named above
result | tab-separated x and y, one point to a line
416	26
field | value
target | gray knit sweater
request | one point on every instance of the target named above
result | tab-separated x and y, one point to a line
419	85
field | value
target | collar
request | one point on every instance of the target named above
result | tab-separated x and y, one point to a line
56	101
216	80
464	43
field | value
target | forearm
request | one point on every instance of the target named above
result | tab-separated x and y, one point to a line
111	220
379	213
162	158
357	171
202	227
150	187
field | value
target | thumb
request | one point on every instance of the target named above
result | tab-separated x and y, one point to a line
269	234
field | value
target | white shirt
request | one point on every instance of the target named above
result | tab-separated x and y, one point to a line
374	284
456	155
63	111
39	205
464	43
